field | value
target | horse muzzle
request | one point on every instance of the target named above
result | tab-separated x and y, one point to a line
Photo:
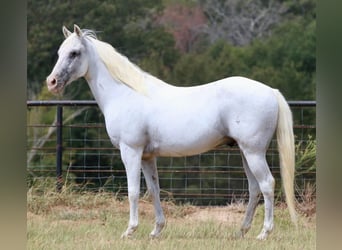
54	85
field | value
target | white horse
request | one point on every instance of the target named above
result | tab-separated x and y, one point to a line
146	118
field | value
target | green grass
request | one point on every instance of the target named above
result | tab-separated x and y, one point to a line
71	220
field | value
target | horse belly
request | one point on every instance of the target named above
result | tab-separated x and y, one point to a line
187	142
178	150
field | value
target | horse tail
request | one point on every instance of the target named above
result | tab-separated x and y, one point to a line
285	139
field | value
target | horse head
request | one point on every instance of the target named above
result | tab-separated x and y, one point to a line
72	61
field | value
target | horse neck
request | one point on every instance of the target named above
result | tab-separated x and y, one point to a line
107	90
103	86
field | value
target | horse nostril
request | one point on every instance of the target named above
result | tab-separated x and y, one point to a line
53	81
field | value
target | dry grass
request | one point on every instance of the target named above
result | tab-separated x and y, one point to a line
307	207
70	220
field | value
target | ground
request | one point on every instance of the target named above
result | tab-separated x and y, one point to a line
96	221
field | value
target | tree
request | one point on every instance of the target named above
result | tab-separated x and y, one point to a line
185	23
240	22
287	60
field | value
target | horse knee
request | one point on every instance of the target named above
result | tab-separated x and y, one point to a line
267	186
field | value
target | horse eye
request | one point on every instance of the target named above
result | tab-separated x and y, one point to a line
74	54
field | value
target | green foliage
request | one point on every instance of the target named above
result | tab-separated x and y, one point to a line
285	60
218	61
306	156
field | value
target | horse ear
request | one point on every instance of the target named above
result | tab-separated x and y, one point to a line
66	32
77	30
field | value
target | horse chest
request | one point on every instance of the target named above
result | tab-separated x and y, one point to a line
120	129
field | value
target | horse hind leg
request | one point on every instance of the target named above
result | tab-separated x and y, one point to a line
149	169
259	169
254	192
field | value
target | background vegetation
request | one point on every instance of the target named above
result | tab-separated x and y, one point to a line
185	43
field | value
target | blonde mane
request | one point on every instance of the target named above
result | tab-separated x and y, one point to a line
118	65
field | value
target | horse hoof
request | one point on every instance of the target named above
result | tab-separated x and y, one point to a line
263	235
125	236
154	236
128	233
157	230
239	235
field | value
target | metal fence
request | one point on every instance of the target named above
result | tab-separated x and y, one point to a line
67	140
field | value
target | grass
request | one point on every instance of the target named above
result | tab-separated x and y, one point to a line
74	220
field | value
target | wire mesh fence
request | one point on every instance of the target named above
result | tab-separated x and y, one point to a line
90	162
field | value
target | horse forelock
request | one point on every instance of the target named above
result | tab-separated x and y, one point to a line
89	33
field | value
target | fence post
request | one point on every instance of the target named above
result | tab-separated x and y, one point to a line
59	148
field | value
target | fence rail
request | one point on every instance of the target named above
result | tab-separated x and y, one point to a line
78	150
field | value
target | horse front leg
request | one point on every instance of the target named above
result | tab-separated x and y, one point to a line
149	168
131	158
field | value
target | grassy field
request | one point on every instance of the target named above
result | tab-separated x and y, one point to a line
71	220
